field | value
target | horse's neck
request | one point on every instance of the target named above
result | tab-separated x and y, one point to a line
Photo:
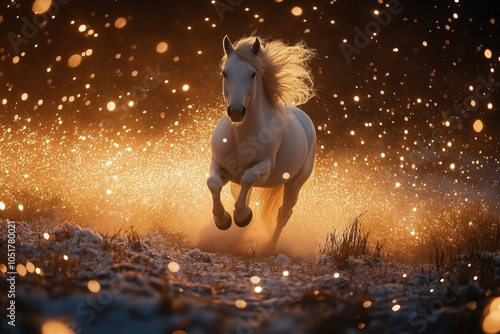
258	117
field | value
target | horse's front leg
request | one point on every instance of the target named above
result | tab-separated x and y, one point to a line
218	178
259	172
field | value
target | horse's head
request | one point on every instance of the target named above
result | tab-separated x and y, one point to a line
239	81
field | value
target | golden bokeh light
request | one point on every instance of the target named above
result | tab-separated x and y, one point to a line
111	106
487	53
161	47
93	286
74	60
297	11
55	327
41	6
478	125
120	22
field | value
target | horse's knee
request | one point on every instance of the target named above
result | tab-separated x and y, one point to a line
249	177
215	184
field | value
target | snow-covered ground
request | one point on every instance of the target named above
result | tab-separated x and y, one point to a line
73	280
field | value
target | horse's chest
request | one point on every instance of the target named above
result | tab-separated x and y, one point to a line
237	158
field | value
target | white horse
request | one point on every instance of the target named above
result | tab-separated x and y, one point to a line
263	140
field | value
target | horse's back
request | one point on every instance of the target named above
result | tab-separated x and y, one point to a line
306	123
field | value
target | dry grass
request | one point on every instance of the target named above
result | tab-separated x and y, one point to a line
351	241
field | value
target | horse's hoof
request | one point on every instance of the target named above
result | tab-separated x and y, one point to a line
245	221
223	223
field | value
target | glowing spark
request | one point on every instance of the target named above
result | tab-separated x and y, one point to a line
111	106
20	207
30	267
452	166
286	176
65	257
109	191
174	267
396	308
478	125
46	236
286	273
120	23
21	269
54	326
82	28
487	53
185	88
367	304
297	11
74	60
224	140
490	106
41	6
336	275
24	97
2	206
241	304
161	47
93	286
255	279
398	184
258	289
356	98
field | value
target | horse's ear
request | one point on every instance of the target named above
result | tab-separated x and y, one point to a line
256	47
228	46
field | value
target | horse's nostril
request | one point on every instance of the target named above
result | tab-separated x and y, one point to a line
229	112
243	112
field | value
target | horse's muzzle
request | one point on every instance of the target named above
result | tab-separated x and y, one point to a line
236	114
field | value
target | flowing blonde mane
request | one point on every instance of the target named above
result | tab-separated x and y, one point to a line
285	69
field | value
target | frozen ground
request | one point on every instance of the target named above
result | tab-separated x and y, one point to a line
73	280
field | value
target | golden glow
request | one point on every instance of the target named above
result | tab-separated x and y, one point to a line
297	11
74	60
174	267
491	322
241	304
111	106
487	53
255	279
120	23
54	326
161	47
21	269
41	6
478	125
93	286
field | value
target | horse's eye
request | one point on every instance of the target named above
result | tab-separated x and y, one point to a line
224	74
253	74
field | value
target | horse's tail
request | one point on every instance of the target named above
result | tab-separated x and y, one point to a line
270	200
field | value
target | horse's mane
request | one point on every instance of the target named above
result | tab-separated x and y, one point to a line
285	69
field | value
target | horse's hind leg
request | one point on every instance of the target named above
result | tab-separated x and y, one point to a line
290	198
218	178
